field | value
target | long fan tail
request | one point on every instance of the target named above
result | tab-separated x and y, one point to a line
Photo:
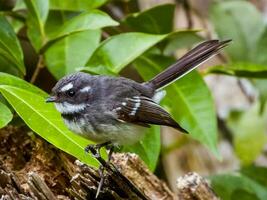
187	63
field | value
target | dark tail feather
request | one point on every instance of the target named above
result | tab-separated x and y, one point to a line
187	63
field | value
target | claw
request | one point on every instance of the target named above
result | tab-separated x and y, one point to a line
95	151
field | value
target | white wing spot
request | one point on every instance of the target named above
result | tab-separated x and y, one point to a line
124	103
119	108
135	108
66	87
136	99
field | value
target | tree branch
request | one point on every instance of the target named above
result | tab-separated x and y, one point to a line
39	66
33	169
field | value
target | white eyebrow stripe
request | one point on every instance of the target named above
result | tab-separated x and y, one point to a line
86	89
67	87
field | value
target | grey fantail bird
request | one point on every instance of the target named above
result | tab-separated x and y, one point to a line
111	110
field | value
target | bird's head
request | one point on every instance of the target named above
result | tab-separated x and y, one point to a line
71	93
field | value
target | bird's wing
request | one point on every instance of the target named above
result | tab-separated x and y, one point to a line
143	111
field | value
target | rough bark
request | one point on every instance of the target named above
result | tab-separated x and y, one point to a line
30	168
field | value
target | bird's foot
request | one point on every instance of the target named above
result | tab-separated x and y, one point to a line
95	151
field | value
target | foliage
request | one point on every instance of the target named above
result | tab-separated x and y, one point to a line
10	51
247	57
5	115
68	36
238	186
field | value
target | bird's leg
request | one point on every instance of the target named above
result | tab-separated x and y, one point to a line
111	150
95	151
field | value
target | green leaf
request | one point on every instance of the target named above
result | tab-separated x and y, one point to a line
244	195
157	20
43	119
248	128
72	46
188	99
37	14
181	39
7	79
5	115
261	85
248	70
245	31
10	50
55	20
118	51
228	186
7	67
94	19
259	55
148	148
69	5
72	52
256	173
76	5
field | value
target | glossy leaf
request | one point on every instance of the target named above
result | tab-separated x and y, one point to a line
248	70
37	14
69	5
7	79
229	187
256	173
72	52
7	67
148	148
46	122
248	128
259	54
118	51
181	39
10	50
230	22
190	104
94	19
5	115
76	5
55	20
157	20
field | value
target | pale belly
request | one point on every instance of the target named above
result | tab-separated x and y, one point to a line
121	134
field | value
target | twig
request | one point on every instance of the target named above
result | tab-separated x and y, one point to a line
244	91
40	65
113	170
105	35
187	9
226	132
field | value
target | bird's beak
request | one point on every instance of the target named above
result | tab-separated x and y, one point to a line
51	99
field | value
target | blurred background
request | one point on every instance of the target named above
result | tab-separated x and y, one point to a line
228	143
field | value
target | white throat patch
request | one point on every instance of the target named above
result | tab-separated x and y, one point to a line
66	87
67	108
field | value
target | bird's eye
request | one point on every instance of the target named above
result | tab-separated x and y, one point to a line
70	93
